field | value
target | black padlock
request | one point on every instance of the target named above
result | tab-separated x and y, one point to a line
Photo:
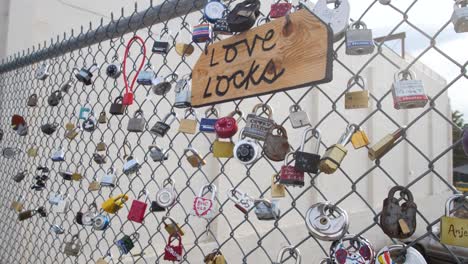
49	129
162	127
156	208
160	47
305	161
221	26
244	15
117	107
54	98
399	221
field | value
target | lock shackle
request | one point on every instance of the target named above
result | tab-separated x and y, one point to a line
118	99
286	159
403	192
239	113
185	78
357	80
280	129
346	137
164	218
292	250
212	111
460	3
142	193
134	237
405	75
138	112
295	108
93	67
169	181
172	116
358	24
266	202
191	111
191	150
111	170
449	205
174	76
265	107
237	196
211	188
315	133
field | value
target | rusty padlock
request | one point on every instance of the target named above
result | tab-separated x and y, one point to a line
399	221
276	146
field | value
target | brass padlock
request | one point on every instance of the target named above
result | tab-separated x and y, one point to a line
216	257
188	126
102	119
113	204
359	139
71	131
380	148
223	149
94	185
358	99
172	228
17	205
278	190
101	146
195	159
335	154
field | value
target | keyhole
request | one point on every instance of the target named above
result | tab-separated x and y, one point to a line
323	221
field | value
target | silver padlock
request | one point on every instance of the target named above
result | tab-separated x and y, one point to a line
114	70
146	77
337	18
257	127
242	200
56	229
137	122
267	210
292	251
162	127
298	117
58	155
55	198
109	179
246	151
326	221
166	196
408	92
62	206
157	153
101	222
183	93
359	40
460	16
73	246
131	166
162	85
42	72
87	218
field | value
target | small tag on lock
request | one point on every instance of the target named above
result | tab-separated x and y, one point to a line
359	139
404	226
355	100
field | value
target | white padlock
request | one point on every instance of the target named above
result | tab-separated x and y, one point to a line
408	92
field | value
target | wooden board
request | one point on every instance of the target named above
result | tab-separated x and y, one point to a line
454	231
274	57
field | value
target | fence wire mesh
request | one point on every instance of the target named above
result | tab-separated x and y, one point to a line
247	239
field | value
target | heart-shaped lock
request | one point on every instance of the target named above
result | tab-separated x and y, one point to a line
166	196
326	221
204	207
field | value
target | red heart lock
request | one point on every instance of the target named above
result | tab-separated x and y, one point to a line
202	206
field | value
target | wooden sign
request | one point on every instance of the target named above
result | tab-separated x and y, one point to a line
287	53
454	231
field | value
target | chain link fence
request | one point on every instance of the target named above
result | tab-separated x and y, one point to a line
358	185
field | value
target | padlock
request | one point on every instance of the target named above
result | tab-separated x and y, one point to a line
32	152
294	252
162	86
58	230
73	246
335	154
166	196
156	208
90	124
158	154
241	200
305	161
352	249
62	206
32	100
146	77
460	16
131	166
16	121
173	252
102	260
359	139
66	175
246	151
215	257
67	84
276	146
398	221
85	75
17	204
114	70
214	10
204	207
359	40
399	254
183	93
184	49
202	33
58	155
280	9
267	210
278	190
87	218
162	127
49	129
101	222
54	98
22	130
207	124
71	131
99	158
337	17
195	159
358	99
101	146
55	198
94	185
113	204
298	117
42	72
117	107
257	127
84	113
20	176
41	211
188	126
379	149
455	218
138	209
9	152
226	127
126	243
408	92
102	119
160	47
221	26
223	149
244	15
172	227
290	176
76	176
109	179
326	221
137	123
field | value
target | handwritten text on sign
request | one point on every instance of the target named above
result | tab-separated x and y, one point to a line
274	57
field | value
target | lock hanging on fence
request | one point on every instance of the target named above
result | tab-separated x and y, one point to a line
41	211
204	207
257	127
399	221
326	221
114	70
162	86
173	252
162	127
408	92
290	175
138	209
42	72
166	196
126	243
241	200
226	127
158	154
337	17
358	99
305	161
73	246
460	16
207	124
137	122
267	210
114	204
335	154
85	75
188	126
359	39
352	249
172	227
246	151
276	146
382	147
298	117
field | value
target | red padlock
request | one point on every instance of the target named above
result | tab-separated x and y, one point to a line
172	252
290	175
137	210
280	10
226	127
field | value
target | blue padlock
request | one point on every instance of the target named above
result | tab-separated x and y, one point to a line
207	124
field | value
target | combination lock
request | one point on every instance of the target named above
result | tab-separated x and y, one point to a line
113	70
246	151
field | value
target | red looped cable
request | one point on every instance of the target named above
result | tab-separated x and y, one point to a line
129	89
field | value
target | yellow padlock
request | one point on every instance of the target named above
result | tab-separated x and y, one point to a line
223	149
359	139
113	204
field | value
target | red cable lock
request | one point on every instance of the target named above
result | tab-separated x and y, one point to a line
128	96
